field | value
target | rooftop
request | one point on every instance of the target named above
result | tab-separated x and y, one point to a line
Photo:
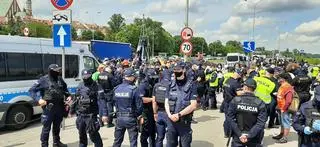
4	6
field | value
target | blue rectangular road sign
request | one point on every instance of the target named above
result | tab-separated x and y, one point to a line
249	46
62	35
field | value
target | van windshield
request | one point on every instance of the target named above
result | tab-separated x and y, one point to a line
232	58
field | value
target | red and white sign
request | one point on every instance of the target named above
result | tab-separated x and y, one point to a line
186	33
186	47
26	31
62	4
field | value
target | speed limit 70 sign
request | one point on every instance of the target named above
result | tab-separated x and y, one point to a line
186	47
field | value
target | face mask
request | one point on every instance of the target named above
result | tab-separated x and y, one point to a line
54	74
178	74
88	81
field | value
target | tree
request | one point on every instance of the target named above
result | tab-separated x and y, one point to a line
86	35
199	45
15	27
98	35
39	30
74	34
129	34
216	47
234	47
116	23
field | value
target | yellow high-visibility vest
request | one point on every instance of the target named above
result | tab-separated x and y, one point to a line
227	76
264	89
315	71
214	83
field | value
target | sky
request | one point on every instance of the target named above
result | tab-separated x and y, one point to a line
278	23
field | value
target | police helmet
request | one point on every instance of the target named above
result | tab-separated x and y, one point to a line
86	73
54	67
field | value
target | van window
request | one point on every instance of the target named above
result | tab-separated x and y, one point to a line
89	63
72	66
2	65
48	59
16	68
232	58
33	65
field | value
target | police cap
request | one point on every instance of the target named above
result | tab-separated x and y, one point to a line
86	73
180	66
270	70
54	67
129	72
251	83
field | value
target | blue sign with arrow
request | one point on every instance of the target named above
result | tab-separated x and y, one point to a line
249	46
62	35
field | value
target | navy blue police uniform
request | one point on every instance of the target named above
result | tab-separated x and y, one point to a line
106	85
230	91
148	131
128	104
179	96
86	108
159	92
53	90
307	116
247	115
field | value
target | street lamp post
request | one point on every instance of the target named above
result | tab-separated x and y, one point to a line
187	22
99	12
254	18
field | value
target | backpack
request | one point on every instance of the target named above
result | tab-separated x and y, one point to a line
294	106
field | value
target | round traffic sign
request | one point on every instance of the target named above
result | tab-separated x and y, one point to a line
186	33
186	47
26	31
61	4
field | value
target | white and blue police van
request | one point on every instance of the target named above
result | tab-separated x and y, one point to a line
22	61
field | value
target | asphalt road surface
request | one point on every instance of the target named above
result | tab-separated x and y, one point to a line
207	133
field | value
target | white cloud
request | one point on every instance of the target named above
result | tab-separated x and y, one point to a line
246	7
236	25
131	1
172	6
172	27
311	28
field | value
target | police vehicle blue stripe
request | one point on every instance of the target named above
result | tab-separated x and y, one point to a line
6	97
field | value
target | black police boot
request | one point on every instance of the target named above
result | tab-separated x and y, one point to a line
59	144
214	107
278	136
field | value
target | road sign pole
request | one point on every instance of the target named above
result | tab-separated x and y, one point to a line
63	62
187	25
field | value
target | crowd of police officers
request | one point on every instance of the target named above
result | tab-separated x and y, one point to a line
158	100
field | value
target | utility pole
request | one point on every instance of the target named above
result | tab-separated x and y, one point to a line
187	23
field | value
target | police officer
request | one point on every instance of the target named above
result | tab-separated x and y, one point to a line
247	115
314	72
225	78
307	121
129	108
302	85
265	88
231	87
160	115
213	82
180	104
53	90
148	128
106	84
86	107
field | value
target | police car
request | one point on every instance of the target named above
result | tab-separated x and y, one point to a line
22	61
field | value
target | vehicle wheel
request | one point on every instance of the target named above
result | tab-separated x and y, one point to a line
18	117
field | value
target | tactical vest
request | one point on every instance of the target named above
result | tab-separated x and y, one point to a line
54	93
87	99
247	108
264	89
315	71
160	92
312	114
214	83
123	96
179	96
227	76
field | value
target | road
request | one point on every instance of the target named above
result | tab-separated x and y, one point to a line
207	133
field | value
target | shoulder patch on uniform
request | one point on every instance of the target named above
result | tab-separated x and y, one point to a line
237	99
